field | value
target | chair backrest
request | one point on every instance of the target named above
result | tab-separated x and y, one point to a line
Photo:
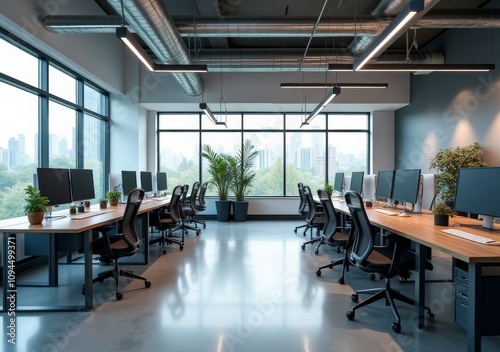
330	214
364	236
184	193
312	209
134	200
302	198
194	195
201	196
175	206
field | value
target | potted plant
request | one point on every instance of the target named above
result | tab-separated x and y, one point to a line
72	208
103	203
114	197
35	206
329	188
442	213
220	178
243	176
448	162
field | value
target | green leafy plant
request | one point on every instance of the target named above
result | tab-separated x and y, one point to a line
242	172
329	188
219	170
443	209
103	200
113	195
35	202
448	162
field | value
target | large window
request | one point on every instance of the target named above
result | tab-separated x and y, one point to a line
50	117
288	152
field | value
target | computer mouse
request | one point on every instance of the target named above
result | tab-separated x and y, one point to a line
403	214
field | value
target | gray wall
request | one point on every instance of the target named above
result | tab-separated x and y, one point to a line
449	110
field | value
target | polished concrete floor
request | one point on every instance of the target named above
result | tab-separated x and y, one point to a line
237	287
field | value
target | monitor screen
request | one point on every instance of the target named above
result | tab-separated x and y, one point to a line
82	184
338	183
385	184
406	185
357	181
147	181
54	184
129	181
161	181
478	191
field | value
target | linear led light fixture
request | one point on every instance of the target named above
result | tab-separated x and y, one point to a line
398	25
210	114
326	100
429	67
341	85
138	50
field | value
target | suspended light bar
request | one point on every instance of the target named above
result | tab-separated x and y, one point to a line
423	67
326	100
210	114
400	24
137	49
181	68
340	85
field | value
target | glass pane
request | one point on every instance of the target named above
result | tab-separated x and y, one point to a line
18	63
305	161
294	121
94	131
62	132
179	157
348	122
18	147
268	164
348	152
263	122
94	100
62	84
179	121
233	122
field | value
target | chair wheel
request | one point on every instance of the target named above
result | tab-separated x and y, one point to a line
318	272
431	316
303	246
350	315
396	327
204	226
295	230
119	296
181	247
316	251
83	290
355	297
164	251
147	284
341	281
372	277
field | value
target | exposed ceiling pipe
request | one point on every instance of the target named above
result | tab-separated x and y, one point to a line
151	21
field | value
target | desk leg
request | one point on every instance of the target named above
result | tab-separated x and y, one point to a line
145	235
421	252
53	264
87	254
473	311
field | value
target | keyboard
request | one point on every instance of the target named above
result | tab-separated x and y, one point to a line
469	236
386	212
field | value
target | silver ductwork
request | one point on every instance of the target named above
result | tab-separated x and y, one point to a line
151	21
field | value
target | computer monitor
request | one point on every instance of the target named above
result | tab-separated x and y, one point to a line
54	183
406	185
478	192
82	184
161	181
147	181
129	181
385	184
338	183
357	181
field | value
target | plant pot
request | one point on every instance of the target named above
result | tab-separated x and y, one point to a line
441	220
72	210
240	210
36	218
113	202
223	210
103	205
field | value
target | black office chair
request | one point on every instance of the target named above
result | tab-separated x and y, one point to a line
315	217
332	235
168	221
387	261
189	209
125	244
303	208
201	204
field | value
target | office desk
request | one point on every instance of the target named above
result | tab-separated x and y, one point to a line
420	229
11	227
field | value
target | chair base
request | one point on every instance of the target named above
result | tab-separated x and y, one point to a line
344	261
169	239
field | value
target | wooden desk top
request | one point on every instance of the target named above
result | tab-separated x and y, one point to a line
420	228
69	225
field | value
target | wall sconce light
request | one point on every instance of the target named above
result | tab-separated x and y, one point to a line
398	25
326	100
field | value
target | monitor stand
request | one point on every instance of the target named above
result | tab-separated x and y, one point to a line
488	222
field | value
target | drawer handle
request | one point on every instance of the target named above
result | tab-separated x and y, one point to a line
462	284
464	278
462	295
463	305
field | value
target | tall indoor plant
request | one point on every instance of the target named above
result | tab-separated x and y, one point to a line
243	176
221	178
448	162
